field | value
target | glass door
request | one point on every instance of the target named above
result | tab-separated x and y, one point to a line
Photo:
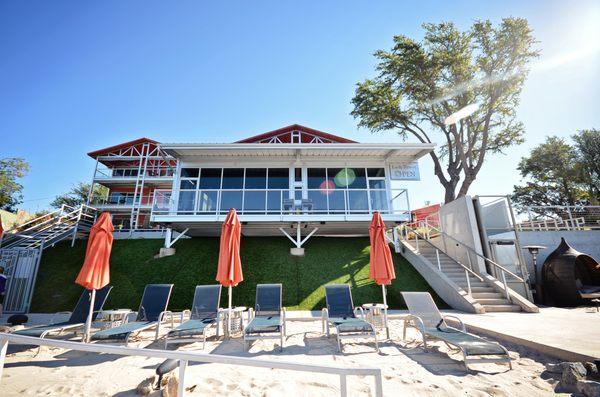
378	196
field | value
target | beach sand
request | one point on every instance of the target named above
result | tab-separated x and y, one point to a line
410	372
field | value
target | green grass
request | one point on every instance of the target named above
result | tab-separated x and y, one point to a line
264	260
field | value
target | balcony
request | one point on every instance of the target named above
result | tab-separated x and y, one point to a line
276	205
132	174
122	202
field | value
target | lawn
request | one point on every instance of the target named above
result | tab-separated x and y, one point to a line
264	260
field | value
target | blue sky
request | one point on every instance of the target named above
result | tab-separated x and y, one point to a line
78	76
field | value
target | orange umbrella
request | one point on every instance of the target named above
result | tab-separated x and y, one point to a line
381	266
229	268
94	273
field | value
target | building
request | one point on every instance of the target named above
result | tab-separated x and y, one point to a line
295	180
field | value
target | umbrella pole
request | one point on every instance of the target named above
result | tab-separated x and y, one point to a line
229	315
88	322
385	318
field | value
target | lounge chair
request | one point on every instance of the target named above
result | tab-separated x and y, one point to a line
425	316
151	314
341	314
267	321
204	314
76	320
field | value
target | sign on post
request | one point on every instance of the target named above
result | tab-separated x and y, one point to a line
405	171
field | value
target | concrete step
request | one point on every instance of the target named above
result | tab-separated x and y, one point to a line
475	290
502	308
492	302
487	295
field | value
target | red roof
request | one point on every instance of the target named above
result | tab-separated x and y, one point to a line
284	136
111	149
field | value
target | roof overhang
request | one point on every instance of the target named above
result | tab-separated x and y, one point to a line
384	151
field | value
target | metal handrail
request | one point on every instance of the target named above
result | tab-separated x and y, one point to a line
478	254
430	243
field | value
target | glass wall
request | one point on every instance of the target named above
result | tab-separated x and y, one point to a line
351	190
253	190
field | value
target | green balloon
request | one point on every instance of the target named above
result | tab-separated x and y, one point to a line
345	177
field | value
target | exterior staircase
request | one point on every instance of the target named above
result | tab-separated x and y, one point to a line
21	249
481	291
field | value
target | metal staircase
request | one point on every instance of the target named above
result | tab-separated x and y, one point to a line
21	249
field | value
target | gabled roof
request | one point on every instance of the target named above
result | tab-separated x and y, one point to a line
122	146
307	135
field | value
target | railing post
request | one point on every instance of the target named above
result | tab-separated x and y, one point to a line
181	388
378	385
3	348
416	240
469	259
437	254
505	286
343	386
468	282
570	218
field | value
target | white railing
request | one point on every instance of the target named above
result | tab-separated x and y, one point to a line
133	172
185	357
551	218
123	201
278	202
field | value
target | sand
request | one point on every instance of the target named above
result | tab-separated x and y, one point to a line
411	372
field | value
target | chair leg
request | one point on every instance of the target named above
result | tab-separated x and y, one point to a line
376	343
281	345
339	342
404	331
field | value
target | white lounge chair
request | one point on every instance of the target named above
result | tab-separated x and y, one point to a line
425	316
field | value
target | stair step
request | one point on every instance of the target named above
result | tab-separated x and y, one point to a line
492	302
475	290
502	308
487	295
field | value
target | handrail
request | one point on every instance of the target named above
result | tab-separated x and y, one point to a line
185	357
479	255
458	262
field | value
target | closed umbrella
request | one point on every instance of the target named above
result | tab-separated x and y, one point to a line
229	268
95	272
381	265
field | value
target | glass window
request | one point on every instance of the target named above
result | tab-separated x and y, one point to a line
279	178
377	183
337	202
357	178
254	202
316	178
298	174
231	200
188	184
210	178
379	200
376	172
256	178
189	172
186	201
207	202
338	176
274	200
358	201
233	178
319	200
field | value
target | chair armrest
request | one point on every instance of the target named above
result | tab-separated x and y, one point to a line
250	314
283	314
162	315
361	311
462	325
189	313
418	322
324	320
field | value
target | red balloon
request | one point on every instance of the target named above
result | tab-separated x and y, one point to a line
326	187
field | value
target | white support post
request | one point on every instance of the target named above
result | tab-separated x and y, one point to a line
298	236
170	244
343	386
168	234
181	387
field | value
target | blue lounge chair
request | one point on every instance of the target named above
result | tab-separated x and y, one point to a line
76	320
425	316
204	314
267	321
151	314
341	314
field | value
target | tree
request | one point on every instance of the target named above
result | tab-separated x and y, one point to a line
78	195
556	173
11	169
419	84
587	143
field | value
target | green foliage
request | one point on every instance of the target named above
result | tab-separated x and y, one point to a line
419	84
264	259
11	169
78	195
560	173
